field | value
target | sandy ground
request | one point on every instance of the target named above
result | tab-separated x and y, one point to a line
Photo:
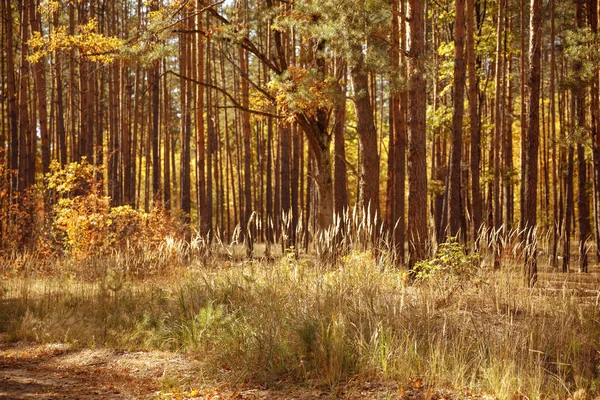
53	371
56	371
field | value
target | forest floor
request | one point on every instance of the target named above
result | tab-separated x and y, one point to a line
55	371
67	338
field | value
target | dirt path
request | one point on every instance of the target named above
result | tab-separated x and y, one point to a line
55	371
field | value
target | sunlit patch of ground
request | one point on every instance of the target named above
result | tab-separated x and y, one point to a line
56	371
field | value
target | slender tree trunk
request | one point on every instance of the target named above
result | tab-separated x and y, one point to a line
341	174
474	124
40	83
533	124
454	184
582	199
26	154
12	91
284	178
400	130
417	163
556	221
569	212
498	100
247	133
368	187
200	139
167	145
523	118
508	139
595	126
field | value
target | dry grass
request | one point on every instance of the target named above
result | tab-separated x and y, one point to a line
300	320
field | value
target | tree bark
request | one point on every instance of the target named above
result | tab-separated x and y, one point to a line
418	238
368	186
533	122
40	83
339	128
475	153
498	101
454	184
582	199
595	126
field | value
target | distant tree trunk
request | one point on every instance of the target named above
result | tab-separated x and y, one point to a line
60	129
155	111
26	156
72	86
200	139
595	125
297	155
185	156
269	178
284	188
569	211
155	98
555	173
523	118
454	184
247	134
533	124
417	162
400	131
498	100
135	183
368	187
341	174
40	83
397	136
582	199
508	139
474	124
167	145
12	90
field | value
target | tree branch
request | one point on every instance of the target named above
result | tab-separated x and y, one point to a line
224	92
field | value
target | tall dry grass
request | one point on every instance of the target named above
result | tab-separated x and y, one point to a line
296	318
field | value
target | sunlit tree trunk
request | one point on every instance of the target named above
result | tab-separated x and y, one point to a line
533	124
454	183
418	237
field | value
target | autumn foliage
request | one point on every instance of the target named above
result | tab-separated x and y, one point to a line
79	221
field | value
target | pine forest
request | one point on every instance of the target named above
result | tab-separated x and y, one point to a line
299	199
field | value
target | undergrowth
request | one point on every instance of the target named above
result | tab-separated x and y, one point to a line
457	324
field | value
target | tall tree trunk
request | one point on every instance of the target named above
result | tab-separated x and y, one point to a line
167	145
200	138
397	137
474	124
341	174
247	133
523	118
595	126
582	199
284	178
533	125
569	211
454	184
185	155
13	111
368	187
508	139
498	101
26	154
418	238
40	83
556	221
